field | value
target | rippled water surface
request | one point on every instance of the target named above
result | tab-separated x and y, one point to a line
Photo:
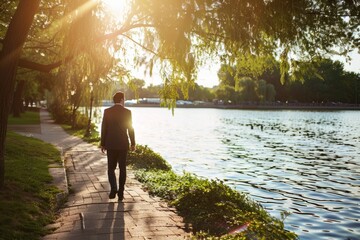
303	162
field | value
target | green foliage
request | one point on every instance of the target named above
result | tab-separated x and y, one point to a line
270	92
330	84
201	93
251	65
27	202
34	87
227	93
321	81
94	136
145	158
211	207
151	91
177	36
134	87
226	75
248	34
64	115
246	89
138	91
284	65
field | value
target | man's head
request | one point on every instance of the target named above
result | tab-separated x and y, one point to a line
118	97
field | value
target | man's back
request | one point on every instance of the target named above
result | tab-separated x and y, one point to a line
116	125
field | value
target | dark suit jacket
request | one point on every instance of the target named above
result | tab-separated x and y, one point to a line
116	128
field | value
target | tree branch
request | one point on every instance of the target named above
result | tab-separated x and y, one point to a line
48	67
139	44
122	30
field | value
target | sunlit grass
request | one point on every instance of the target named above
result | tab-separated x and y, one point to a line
27	202
26	118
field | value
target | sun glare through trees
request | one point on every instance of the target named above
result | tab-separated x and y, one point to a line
117	8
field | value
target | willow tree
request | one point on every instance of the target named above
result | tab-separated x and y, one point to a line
15	36
84	76
177	36
246	33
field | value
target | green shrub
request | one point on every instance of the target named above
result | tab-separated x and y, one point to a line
60	113
63	115
210	206
94	136
145	158
81	121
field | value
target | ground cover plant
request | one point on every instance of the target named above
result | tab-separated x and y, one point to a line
211	207
28	200
93	137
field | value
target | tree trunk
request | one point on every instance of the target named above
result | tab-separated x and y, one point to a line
11	49
27	102
73	118
17	104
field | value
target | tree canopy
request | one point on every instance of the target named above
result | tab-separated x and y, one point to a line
178	35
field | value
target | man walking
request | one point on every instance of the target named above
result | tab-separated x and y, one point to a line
116	129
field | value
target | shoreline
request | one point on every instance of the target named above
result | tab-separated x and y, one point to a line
352	107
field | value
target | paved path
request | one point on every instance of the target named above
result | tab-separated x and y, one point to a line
88	212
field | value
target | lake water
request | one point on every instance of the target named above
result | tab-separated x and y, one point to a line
303	162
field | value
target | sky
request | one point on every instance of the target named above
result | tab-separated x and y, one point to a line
207	75
354	65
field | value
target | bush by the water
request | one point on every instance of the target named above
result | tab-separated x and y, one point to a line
211	207
145	158
75	125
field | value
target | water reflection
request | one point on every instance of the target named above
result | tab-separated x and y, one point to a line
303	162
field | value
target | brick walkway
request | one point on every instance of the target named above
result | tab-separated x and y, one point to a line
88	212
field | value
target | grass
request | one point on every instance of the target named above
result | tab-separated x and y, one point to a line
29	117
27	202
94	137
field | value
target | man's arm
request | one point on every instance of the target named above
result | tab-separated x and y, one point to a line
103	133
131	133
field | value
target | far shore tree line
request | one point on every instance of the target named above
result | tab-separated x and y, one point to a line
325	82
329	84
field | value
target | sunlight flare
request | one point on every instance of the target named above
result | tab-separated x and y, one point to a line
117	8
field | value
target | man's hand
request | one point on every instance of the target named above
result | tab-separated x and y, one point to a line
103	149
133	147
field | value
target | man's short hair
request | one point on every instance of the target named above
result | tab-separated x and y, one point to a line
118	96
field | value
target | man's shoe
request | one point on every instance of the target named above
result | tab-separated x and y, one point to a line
112	194
121	196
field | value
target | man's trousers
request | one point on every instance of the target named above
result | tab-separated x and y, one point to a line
117	157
